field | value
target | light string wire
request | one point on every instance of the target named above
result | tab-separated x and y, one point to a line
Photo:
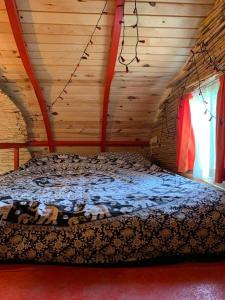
84	56
212	62
121	58
210	59
200	89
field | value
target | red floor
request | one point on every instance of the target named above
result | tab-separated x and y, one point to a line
201	281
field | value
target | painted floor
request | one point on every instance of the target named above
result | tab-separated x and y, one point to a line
201	281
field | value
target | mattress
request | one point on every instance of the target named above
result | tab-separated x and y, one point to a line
108	208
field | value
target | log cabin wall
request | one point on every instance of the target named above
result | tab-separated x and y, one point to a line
12	130
211	33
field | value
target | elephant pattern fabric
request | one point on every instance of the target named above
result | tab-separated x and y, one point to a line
110	208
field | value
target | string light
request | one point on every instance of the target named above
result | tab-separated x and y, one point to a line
200	89
84	56
121	58
210	61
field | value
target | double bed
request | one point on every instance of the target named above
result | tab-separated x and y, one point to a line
109	208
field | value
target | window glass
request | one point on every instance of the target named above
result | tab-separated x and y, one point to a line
204	126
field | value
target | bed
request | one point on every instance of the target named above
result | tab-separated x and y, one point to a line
109	208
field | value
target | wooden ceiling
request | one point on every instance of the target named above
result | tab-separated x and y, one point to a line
56	33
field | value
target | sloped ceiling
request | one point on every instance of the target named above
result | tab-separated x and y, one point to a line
56	33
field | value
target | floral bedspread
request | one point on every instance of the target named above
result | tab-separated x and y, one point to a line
104	209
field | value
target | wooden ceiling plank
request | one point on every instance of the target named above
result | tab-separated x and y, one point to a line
91	19
98	40
160	54
93	7
73	49
50	4
79	30
154	67
169	9
66	29
65	6
62	18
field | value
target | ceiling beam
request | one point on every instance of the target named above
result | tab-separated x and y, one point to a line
21	45
111	67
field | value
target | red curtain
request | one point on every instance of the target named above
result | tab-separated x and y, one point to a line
185	137
220	133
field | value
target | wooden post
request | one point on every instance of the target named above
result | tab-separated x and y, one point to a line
16	158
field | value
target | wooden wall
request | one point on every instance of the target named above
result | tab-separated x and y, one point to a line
212	31
12	130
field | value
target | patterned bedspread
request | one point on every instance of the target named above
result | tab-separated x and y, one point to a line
106	208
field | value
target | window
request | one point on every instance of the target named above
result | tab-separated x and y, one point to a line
204	127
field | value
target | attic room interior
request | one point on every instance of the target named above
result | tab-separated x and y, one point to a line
112	149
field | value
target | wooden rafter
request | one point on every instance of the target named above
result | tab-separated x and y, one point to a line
111	67
21	45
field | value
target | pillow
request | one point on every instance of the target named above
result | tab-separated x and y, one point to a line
126	156
58	161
